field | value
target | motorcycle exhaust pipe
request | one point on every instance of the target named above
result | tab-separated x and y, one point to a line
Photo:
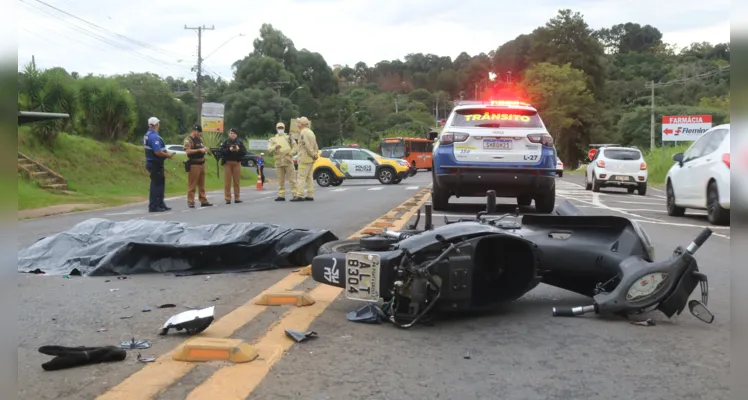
573	311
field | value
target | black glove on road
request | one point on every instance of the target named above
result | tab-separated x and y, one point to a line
68	357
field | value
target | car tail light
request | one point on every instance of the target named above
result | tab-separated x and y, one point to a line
726	159
449	138
601	163
543	138
643	166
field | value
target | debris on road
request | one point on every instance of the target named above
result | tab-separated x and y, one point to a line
168	305
647	322
146	309
467	355
192	321
69	357
101	330
100	247
299	336
135	344
146	359
125	317
368	314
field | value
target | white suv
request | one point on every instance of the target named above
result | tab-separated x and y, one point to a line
700	177
622	167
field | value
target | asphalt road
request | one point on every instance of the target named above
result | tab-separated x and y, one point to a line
93	311
520	352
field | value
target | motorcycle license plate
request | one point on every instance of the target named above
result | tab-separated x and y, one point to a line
362	276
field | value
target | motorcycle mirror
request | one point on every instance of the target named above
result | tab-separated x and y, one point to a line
700	311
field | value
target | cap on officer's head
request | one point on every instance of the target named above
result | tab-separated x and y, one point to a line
197	128
280	125
233	130
153	121
303	121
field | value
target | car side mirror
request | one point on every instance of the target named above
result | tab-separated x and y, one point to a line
678	157
370	158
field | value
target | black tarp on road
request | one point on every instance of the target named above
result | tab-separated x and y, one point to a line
99	247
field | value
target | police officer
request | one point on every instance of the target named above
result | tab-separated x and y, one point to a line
155	155
232	152
282	147
193	146
307	150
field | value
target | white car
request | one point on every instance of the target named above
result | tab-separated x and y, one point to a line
622	167
700	177
175	148
559	167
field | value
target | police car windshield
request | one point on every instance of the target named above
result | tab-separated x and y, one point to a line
494	117
370	153
622	154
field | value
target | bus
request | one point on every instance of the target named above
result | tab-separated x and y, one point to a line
416	151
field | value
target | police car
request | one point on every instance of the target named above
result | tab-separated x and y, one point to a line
495	145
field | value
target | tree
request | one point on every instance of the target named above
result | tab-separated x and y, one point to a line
565	104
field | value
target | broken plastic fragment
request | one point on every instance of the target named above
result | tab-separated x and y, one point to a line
135	344
146	359
193	321
647	322
167	306
369	314
146	309
299	336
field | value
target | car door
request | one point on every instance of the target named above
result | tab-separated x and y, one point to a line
362	167
702	167
342	158
684	184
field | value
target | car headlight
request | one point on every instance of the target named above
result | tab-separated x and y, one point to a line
642	234
402	163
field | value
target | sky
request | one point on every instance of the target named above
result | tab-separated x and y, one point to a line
108	37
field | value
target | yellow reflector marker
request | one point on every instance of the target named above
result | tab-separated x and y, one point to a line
216	349
306	270
296	298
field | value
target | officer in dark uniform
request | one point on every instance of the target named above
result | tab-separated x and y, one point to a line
232	153
155	155
193	146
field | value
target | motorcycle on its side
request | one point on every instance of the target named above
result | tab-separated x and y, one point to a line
478	263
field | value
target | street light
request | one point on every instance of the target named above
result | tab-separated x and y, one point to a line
343	123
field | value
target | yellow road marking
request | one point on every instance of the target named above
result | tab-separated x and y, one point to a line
152	379
238	381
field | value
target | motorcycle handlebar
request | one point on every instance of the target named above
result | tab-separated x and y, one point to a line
699	241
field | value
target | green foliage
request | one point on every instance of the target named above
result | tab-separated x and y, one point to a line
660	160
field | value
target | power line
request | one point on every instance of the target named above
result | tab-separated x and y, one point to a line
106	40
689	79
133	41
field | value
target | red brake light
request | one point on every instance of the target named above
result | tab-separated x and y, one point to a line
544	138
726	159
643	166
601	163
449	138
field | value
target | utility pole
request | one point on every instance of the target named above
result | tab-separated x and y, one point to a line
476	92
199	30
277	86
652	119
395	103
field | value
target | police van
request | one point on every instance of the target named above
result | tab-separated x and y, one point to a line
495	145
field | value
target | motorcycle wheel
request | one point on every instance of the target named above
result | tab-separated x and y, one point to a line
348	245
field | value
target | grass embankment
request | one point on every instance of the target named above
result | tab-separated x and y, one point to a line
657	163
105	174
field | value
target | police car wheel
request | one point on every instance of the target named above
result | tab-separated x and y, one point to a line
386	176
323	178
546	202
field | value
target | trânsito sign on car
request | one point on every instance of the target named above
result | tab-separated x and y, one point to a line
685	128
